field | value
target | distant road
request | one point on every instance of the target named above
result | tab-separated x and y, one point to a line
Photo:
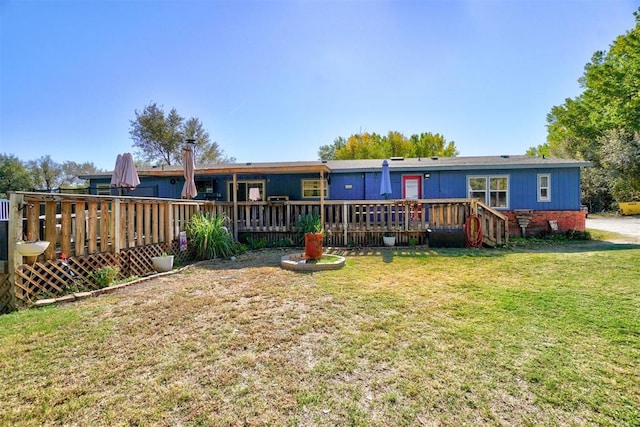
625	225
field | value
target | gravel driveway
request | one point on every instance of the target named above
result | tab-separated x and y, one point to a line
625	225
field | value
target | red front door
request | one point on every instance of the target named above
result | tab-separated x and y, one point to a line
411	187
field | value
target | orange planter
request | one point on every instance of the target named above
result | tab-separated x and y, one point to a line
313	246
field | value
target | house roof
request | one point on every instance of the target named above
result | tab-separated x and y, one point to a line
456	163
398	164
231	168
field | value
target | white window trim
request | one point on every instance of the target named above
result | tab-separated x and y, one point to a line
540	187
487	196
247	181
326	188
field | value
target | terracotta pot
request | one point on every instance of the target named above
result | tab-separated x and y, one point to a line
313	246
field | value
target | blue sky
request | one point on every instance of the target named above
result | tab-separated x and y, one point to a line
275	80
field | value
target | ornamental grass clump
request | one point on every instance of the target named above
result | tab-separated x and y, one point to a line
309	223
210	237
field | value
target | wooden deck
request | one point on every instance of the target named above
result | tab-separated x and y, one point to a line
95	231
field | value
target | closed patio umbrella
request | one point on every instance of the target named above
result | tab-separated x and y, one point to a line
130	178
385	182
125	174
189	189
116	177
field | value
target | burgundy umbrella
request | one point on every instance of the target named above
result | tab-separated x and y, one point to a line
189	190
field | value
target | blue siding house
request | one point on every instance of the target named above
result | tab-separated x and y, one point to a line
545	190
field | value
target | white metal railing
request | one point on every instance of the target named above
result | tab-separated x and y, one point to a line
4	210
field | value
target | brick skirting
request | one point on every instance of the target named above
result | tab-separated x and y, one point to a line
539	222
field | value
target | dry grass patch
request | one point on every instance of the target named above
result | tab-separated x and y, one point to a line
395	338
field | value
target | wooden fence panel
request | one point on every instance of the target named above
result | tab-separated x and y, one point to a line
80	231
65	227
105	218
50	230
93	227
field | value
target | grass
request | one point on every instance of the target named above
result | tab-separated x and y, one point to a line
546	335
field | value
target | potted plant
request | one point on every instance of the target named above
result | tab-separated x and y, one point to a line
29	247
162	263
389	238
310	226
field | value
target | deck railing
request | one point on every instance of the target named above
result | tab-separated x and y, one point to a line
353	221
85	224
495	226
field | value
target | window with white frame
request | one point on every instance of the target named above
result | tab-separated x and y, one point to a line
311	189
478	188
544	187
492	190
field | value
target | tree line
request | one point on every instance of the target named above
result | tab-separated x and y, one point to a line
41	174
374	146
602	124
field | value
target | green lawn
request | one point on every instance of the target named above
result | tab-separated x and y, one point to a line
537	335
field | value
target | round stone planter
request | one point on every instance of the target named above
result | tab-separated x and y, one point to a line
300	262
389	240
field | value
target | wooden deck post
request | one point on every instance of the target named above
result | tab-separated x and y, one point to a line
322	198
235	205
345	222
16	203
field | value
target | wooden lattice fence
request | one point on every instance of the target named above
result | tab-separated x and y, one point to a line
181	257
5	294
56	278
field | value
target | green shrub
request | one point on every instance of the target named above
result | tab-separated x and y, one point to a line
578	235
105	276
210	237
281	243
257	243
